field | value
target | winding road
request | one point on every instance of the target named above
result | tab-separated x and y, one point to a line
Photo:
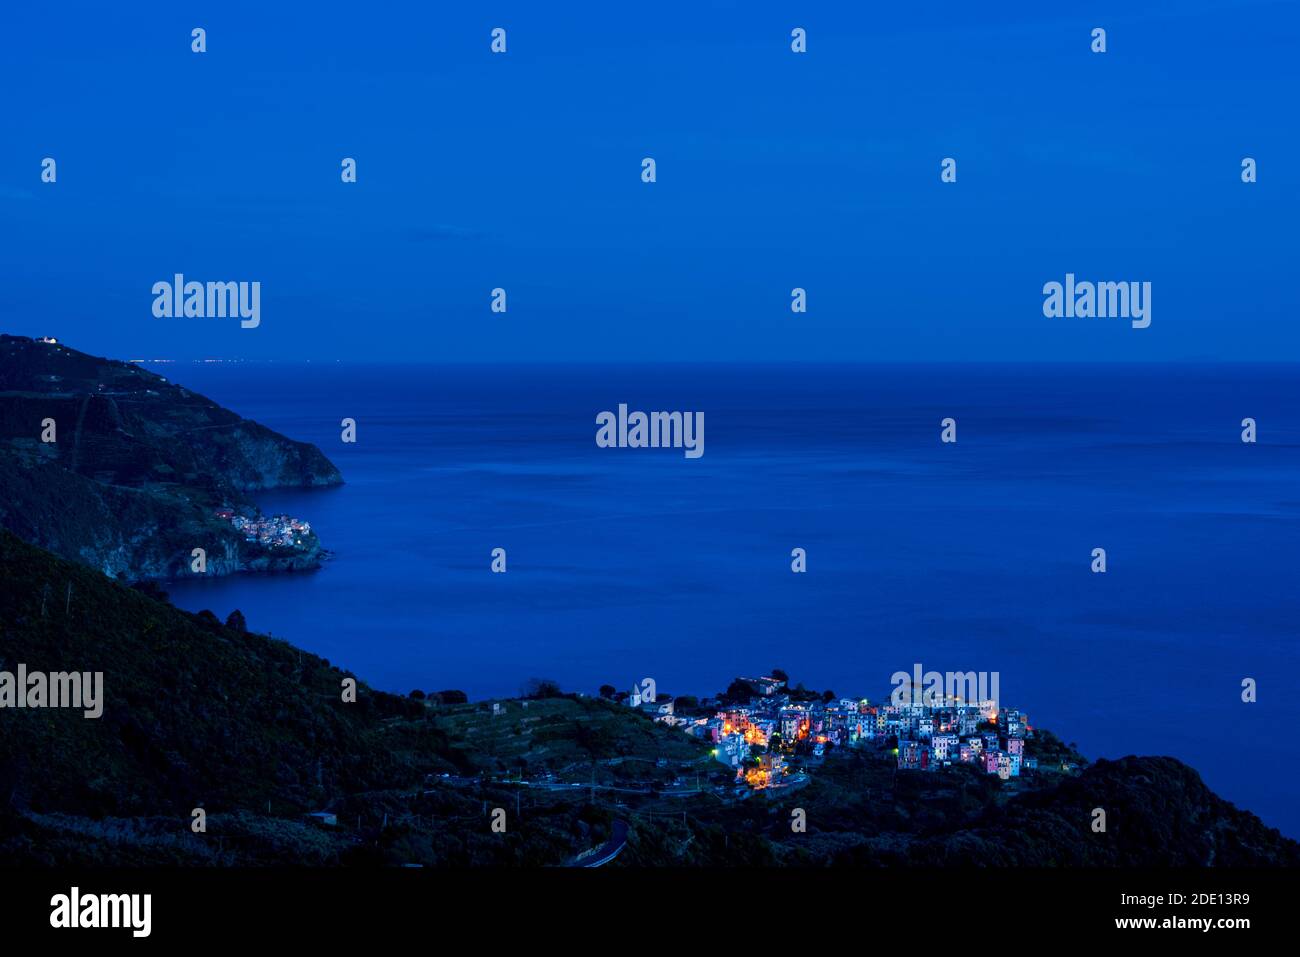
607	851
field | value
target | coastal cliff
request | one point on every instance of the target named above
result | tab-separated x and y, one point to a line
111	465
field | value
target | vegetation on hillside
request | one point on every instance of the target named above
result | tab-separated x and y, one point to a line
201	714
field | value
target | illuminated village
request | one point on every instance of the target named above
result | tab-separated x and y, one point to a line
281	531
759	733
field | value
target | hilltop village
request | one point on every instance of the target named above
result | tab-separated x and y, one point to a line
761	728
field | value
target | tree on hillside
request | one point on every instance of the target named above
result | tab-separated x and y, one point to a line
152	589
800	693
541	688
738	691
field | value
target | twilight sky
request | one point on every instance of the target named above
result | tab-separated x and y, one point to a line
775	170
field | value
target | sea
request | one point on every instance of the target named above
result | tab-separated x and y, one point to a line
976	555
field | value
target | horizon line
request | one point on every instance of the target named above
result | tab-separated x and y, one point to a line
1205	361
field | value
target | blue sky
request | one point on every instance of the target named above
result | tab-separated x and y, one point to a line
775	170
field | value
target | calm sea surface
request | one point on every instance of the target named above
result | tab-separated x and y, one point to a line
626	564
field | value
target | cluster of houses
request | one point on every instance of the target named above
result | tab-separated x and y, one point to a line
957	733
277	530
928	737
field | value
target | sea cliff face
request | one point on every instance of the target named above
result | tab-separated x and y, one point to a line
113	466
